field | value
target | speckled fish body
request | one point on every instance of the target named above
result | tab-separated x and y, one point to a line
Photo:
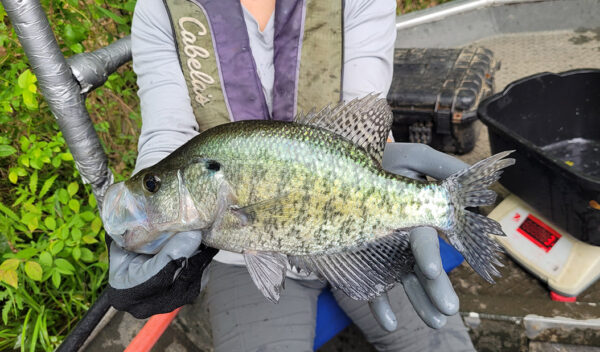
316	191
311	193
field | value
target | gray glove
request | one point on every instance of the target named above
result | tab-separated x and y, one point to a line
429	289
144	285
129	269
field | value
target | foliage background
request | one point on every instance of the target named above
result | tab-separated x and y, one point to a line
53	261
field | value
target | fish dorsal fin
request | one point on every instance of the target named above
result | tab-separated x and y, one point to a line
267	270
365	121
365	272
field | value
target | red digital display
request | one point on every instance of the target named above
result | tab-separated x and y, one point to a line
539	233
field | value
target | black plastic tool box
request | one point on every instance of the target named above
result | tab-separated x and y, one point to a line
553	123
435	94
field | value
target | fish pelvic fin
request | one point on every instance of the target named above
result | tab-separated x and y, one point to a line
267	270
364	272
469	231
366	122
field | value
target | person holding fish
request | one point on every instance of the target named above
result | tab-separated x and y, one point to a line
290	189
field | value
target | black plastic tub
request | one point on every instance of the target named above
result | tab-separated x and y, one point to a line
553	123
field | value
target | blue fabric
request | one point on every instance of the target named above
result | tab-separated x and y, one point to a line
331	319
451	258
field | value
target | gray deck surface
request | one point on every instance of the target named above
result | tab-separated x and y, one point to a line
501	307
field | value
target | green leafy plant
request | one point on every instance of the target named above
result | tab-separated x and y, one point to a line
405	6
55	264
53	261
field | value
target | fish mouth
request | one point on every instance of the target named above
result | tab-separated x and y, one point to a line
128	222
124	215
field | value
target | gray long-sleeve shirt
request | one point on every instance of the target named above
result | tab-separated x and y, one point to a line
168	120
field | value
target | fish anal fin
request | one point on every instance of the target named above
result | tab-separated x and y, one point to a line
366	122
365	272
267	270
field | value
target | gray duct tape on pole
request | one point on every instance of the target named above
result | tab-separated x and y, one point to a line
61	91
92	69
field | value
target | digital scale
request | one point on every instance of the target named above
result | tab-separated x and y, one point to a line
566	264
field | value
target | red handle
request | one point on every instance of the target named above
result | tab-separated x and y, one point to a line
151	332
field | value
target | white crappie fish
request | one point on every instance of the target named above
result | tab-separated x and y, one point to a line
311	193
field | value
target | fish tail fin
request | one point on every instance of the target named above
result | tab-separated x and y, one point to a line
469	231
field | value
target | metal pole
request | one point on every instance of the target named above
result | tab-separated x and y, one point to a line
62	92
92	69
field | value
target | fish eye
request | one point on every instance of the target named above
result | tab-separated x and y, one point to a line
213	165
151	183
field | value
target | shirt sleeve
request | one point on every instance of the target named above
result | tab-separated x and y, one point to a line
168	120
369	37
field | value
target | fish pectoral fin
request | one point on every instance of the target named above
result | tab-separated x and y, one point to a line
363	272
281	208
267	270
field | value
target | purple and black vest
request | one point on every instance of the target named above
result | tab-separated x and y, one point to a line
214	52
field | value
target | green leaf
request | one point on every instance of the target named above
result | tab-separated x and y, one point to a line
36	333
74	34
33	181
24	160
64	233
36	163
33	270
89	239
87	255
24	142
10	264
129	5
76	253
76	234
26	253
6	150
66	156
29	99
56	279
50	223
56	161
64	265
96	225
56	247
45	258
31	221
72	188
77	48
87	216
116	18
10	277
63	196
26	79
34	209
92	200
74	205
47	184
8	212
5	311
12	176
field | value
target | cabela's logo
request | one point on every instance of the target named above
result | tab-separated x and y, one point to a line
198	79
